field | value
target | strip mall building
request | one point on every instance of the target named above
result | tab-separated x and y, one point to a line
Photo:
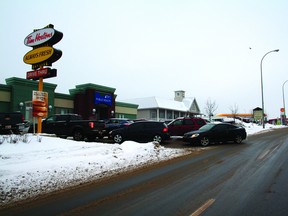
88	100
93	101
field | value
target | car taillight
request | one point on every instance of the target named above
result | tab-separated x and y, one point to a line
165	130
91	124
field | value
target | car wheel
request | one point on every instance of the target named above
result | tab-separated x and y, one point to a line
62	136
78	135
205	141
118	138
238	139
157	138
91	138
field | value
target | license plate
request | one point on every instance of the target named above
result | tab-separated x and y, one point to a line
7	126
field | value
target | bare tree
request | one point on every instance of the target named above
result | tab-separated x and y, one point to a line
210	108
234	110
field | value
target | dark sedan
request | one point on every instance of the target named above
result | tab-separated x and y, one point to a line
213	133
114	123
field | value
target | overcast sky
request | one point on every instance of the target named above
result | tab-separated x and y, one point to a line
211	49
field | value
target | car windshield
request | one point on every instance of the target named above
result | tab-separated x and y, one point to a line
207	127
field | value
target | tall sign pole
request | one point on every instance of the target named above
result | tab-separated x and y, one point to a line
40	89
43	54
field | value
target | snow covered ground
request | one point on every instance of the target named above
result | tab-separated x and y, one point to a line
31	165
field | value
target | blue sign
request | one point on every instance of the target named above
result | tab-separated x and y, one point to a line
102	98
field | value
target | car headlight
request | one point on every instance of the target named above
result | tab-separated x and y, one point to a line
194	135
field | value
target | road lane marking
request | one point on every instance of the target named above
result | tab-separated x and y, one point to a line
263	155
205	206
268	152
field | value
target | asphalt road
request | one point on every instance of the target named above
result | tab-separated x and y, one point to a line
225	179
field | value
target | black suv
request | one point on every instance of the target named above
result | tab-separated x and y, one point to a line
12	123
141	131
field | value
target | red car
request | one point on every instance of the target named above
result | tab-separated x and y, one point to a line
180	126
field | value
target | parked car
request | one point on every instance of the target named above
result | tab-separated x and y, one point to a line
213	132
180	126
141	131
12	123
114	123
66	125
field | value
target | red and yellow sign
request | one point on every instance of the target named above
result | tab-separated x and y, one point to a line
42	40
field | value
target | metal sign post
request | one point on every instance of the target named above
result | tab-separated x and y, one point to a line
40	88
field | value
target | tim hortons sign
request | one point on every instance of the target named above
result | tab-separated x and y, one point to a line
42	40
42	36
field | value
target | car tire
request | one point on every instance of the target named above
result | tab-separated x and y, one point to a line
91	138
238	139
62	136
204	141
78	135
118	138
157	138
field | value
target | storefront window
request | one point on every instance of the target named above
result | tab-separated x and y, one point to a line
28	111
153	114
169	114
176	115
59	110
162	114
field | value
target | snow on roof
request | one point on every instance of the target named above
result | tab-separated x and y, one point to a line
156	102
188	102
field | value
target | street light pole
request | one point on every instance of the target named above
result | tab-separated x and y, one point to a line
263	118
284	117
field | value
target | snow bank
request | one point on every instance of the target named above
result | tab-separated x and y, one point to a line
31	165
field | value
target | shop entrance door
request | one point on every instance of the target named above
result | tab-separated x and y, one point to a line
102	112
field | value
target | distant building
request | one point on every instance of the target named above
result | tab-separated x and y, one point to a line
256	115
160	109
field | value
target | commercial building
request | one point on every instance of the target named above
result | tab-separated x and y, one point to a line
89	100
93	101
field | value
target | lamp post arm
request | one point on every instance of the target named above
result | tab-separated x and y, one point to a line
262	94
277	50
